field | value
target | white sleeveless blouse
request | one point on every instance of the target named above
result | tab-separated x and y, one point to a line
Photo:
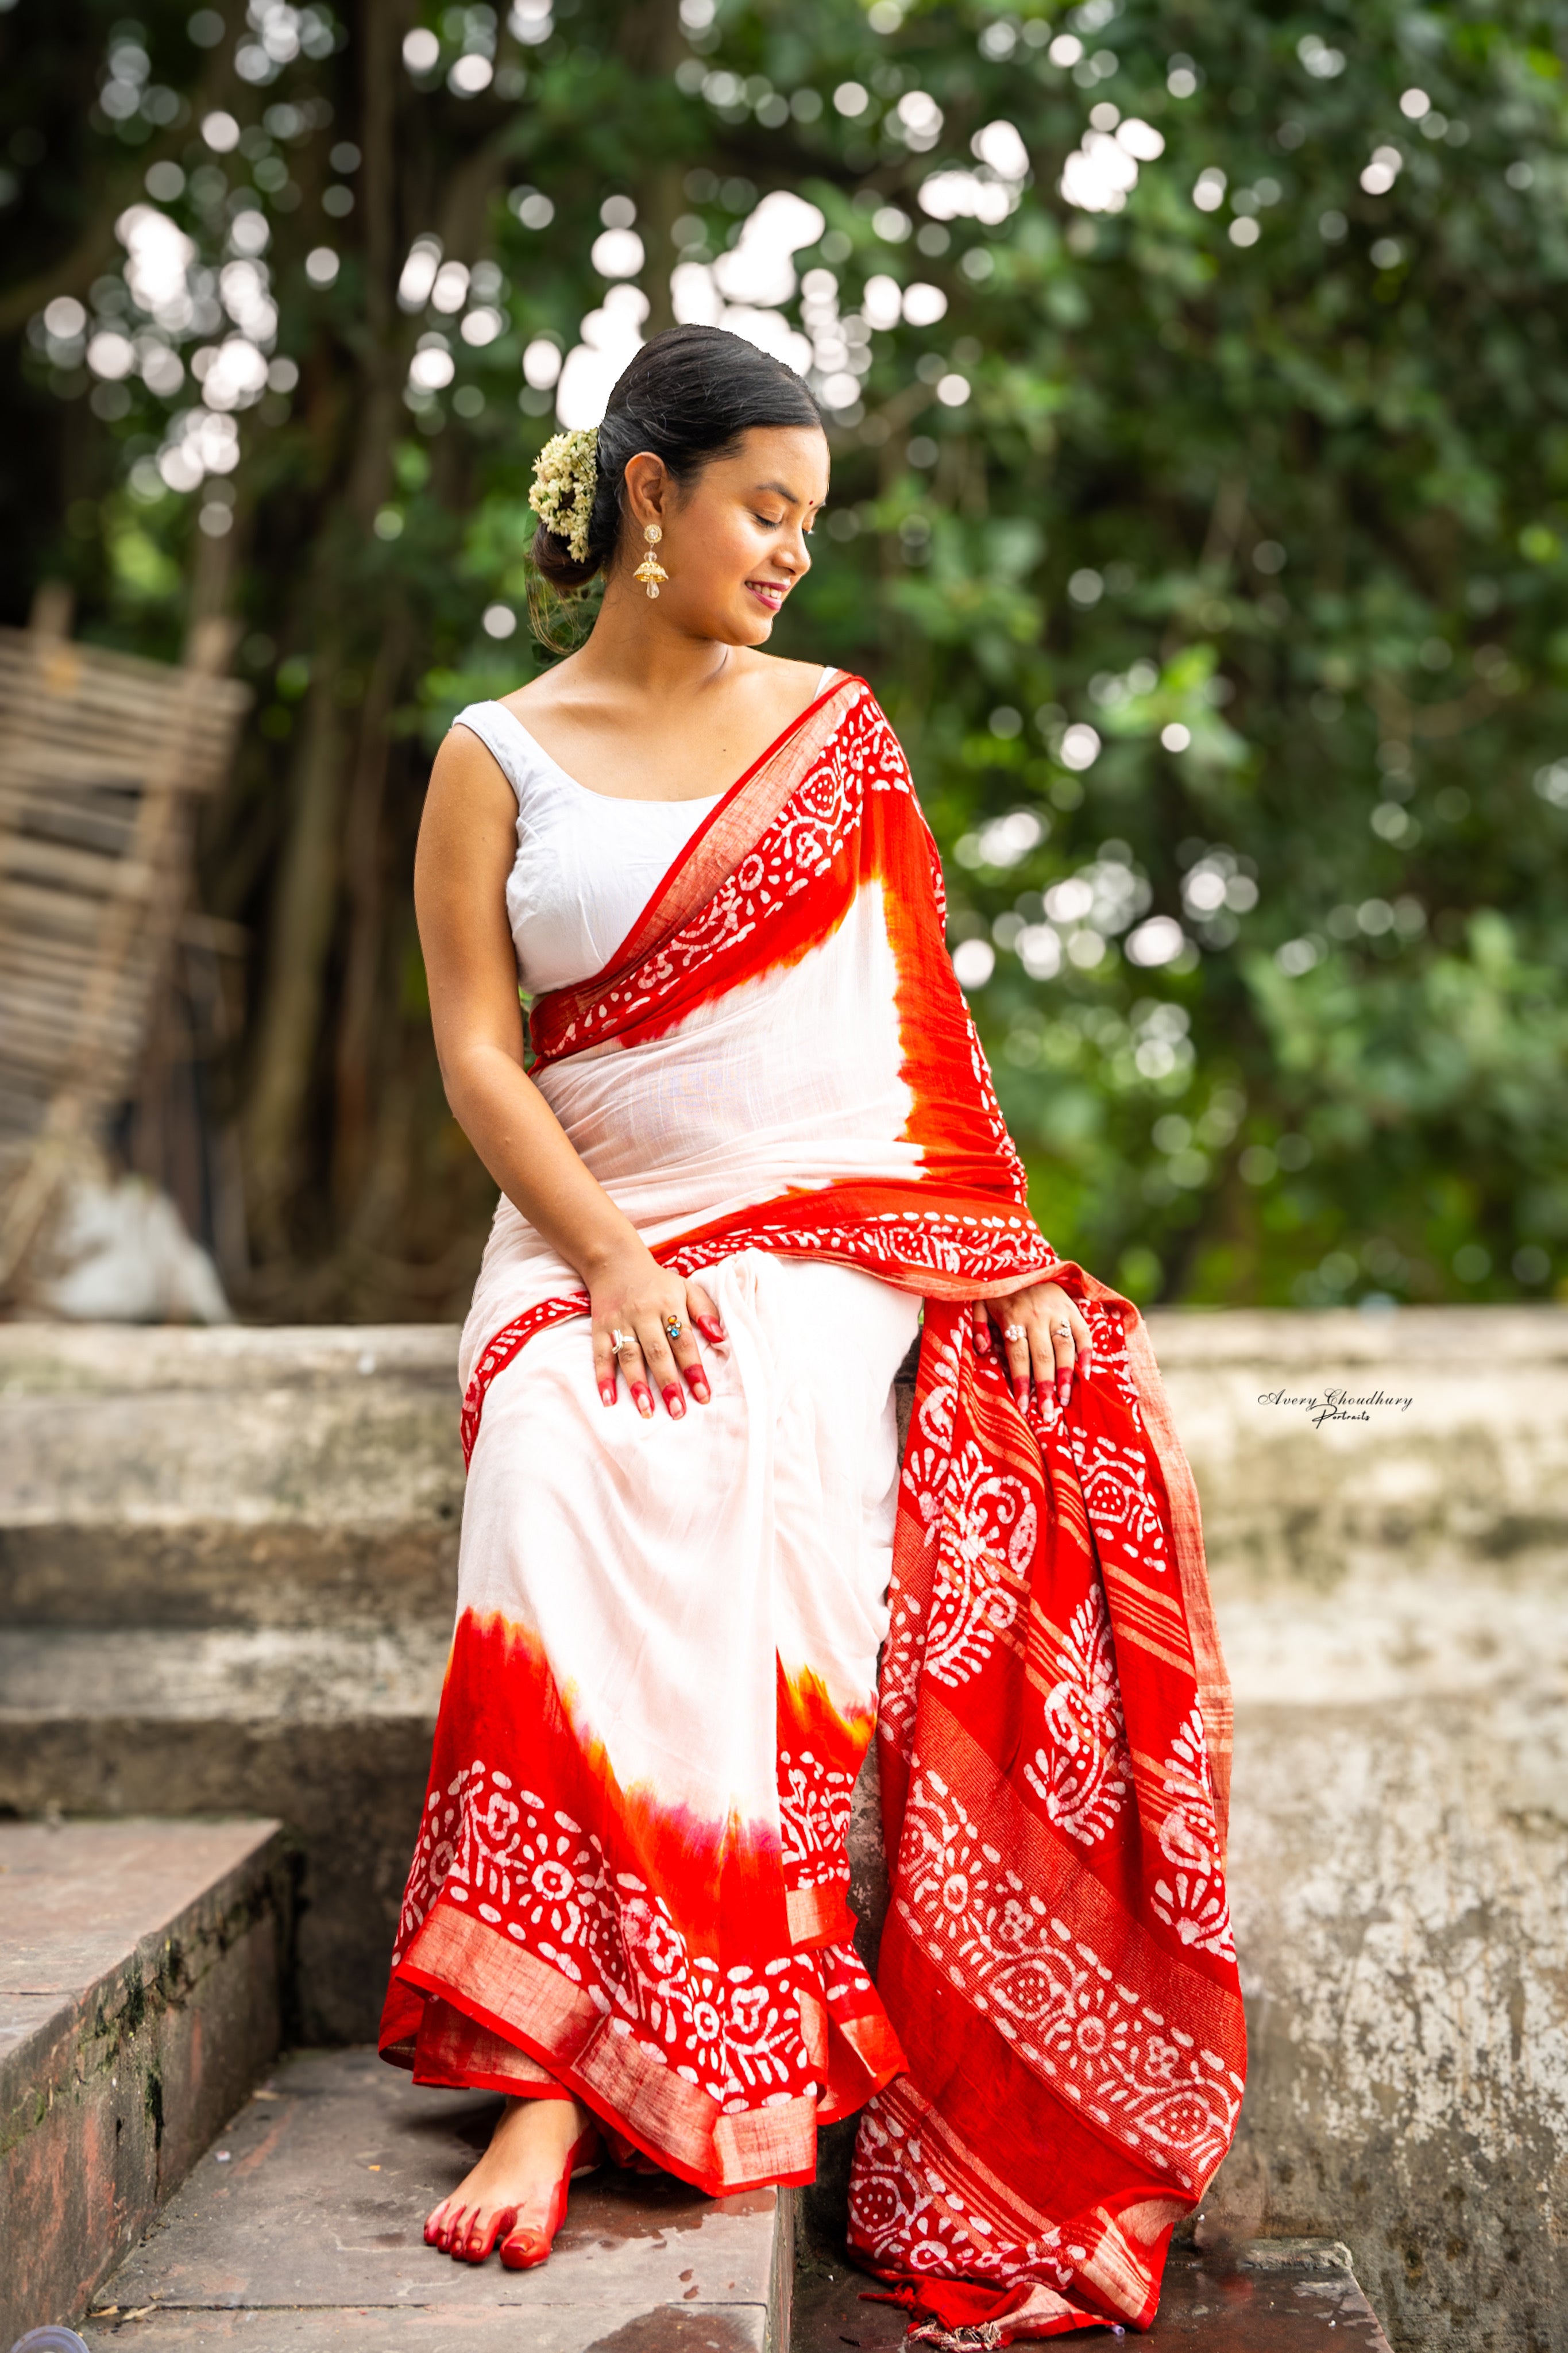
587	863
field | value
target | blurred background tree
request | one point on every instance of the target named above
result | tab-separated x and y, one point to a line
1199	388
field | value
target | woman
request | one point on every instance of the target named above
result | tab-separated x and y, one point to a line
756	1138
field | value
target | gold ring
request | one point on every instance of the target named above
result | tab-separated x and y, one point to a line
674	1326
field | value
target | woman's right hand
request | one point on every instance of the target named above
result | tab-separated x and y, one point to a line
635	1300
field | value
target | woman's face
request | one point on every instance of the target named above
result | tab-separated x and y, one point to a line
735	540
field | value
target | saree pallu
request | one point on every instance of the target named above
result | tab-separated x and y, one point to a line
639	1896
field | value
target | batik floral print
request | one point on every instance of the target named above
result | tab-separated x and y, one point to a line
1056	2024
1058	1917
670	1954
1192	1899
1080	1771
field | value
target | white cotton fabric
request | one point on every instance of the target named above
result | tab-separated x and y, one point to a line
792	1080
665	1564
587	862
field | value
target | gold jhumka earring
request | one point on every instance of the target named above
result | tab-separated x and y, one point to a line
650	571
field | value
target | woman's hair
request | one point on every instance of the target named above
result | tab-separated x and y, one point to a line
689	396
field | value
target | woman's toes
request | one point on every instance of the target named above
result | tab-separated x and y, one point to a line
472	2245
498	2225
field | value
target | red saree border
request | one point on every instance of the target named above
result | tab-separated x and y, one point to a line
817	1915
517	1998
1187	1531
893	1230
716	846
1058	1950
467	1963
452	2052
751	802
1119	2263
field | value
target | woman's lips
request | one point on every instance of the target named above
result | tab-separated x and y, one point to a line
771	593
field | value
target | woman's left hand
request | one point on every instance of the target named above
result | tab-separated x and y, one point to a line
1039	1334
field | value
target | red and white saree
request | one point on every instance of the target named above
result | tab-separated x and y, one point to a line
630	1881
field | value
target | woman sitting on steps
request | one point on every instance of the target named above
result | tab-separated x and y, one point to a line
748	1152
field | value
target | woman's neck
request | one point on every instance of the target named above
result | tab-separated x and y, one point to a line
646	655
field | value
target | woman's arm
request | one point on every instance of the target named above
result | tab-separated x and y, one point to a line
466	844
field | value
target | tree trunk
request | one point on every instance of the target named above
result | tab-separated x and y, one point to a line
651	41
663	202
364	868
289	1020
290	1015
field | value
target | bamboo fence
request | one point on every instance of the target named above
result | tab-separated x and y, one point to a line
103	758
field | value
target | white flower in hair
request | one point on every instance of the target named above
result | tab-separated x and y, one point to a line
565	475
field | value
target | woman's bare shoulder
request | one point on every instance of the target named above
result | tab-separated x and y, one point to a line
789	687
551	690
785	675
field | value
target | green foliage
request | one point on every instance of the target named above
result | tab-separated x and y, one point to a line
1270	491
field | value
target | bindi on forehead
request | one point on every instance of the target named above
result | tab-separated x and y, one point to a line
792	498
792	447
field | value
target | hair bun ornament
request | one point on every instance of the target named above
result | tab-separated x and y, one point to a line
565	476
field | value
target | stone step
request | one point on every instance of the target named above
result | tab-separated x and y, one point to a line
298	1674
139	1972
350	1795
234	1477
301	2229
330	1732
1268	2296
227	1563
1392	1589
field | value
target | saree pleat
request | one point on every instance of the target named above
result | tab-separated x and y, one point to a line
631	1880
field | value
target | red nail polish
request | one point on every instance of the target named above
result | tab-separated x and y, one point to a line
696	1383
711	1328
1021	1396
643	1400
674	1403
607	1392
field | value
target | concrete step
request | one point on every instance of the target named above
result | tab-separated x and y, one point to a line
228	1562
1268	2296
1392	1589
67	1675
228	1478
139	1972
301	2229
329	1730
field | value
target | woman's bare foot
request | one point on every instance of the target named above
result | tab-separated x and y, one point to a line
512	2186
